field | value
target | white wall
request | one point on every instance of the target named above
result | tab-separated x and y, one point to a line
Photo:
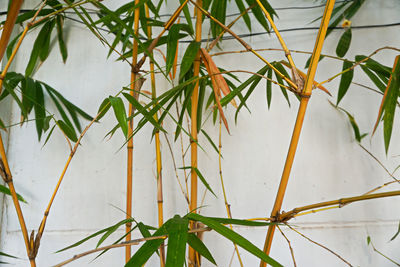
329	163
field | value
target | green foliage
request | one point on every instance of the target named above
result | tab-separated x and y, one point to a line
5	190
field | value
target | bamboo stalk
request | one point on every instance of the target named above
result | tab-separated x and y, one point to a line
5	168
306	93
130	131
158	150
193	140
227	206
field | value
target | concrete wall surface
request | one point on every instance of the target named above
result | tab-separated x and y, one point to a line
329	163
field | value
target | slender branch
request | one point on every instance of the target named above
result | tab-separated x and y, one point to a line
129	180
296	77
383	255
343	201
318	244
227	205
246	45
306	93
157	148
290	246
357	64
193	255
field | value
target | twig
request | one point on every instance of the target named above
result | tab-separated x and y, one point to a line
383	255
290	246
318	244
343	201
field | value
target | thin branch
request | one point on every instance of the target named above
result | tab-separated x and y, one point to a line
290	246
318	244
343	201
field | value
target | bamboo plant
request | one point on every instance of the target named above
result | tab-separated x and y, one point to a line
201	90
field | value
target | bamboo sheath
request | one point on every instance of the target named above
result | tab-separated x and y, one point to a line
193	256
306	93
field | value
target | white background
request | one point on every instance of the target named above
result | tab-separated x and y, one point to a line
329	163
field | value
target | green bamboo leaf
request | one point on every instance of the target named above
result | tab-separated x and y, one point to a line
188	58
345	80
94	235
67	130
199	246
269	88
187	15
120	114
225	100
142	110
344	43
375	79
390	103
173	36
234	237
148	248
45	50
357	135
143	230
201	177
58	105
104	107
40	112
200	104
49	134
111	230
246	16
218	11
396	234
38	46
282	70
185	105
204	181
381	70
177	238
60	36
259	15
7	255
10	91
6	191
28	89
11	45
211	141
253	86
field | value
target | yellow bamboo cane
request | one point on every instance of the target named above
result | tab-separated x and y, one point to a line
306	93
160	200
130	130
193	141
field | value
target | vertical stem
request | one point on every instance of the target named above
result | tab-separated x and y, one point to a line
5	37
227	206
130	130
160	200
193	141
306	93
